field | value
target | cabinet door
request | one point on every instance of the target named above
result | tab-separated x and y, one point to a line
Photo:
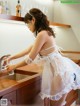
28	93
11	97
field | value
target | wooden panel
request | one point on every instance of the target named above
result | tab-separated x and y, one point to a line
59	24
11	97
74	55
74	52
28	93
9	17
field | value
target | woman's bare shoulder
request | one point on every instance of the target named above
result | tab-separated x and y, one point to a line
42	34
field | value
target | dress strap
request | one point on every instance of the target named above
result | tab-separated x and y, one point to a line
50	47
56	47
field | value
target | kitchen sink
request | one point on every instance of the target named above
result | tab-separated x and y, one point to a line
20	75
17	76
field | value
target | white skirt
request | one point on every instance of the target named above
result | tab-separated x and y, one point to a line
60	75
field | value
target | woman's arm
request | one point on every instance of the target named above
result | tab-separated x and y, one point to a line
40	41
24	52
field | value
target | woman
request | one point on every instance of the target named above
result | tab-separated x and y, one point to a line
60	74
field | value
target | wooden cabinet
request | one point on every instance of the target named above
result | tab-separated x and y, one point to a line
24	93
11	98
28	93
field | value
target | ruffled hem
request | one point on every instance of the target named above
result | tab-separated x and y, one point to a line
60	94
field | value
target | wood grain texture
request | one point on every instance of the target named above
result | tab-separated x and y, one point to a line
10	17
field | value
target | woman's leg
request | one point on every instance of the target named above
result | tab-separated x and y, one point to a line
46	101
59	102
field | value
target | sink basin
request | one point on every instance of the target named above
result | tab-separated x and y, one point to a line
19	75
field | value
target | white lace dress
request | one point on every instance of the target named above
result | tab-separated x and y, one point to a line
60	75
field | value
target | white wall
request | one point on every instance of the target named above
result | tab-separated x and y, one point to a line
46	6
66	38
68	14
15	37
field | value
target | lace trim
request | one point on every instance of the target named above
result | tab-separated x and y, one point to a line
28	60
70	87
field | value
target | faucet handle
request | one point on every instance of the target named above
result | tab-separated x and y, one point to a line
4	63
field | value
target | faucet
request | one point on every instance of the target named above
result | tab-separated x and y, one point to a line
1	60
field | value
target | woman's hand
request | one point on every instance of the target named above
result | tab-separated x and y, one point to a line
10	67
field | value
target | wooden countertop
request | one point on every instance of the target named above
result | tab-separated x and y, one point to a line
32	68
8	85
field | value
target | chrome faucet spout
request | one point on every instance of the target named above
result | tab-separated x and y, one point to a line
2	59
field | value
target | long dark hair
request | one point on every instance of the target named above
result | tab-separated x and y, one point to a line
41	22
